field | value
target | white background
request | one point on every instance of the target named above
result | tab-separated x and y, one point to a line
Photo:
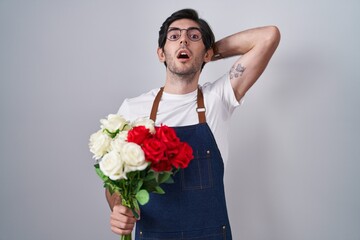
294	168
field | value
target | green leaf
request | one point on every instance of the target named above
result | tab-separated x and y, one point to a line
136	204
126	127
136	215
163	177
100	173
139	185
112	187
156	174
111	134
159	190
135	208
149	176
150	185
142	196
170	180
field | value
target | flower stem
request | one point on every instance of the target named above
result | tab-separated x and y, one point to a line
125	237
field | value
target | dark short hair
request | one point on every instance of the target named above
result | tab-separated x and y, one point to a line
208	37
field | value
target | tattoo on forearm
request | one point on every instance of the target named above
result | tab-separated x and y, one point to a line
237	71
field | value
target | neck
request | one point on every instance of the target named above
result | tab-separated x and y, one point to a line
181	84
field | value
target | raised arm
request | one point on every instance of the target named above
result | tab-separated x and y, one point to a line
255	47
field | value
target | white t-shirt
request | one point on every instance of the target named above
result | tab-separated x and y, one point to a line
180	110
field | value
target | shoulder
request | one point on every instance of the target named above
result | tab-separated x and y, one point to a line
220	91
138	106
148	96
216	87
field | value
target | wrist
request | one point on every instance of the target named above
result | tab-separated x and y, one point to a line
217	55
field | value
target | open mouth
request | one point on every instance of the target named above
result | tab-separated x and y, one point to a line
183	55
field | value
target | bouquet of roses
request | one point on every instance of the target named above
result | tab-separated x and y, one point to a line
135	158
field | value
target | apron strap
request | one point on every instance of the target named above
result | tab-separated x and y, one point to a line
200	105
156	104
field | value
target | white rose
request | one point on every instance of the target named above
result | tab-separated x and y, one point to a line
99	144
148	123
114	122
118	142
133	157
112	165
122	136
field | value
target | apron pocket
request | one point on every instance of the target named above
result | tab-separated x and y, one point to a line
214	233
198	175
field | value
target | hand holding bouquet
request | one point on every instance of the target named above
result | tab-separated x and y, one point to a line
135	158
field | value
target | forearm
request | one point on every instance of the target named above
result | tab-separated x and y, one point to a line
255	48
242	42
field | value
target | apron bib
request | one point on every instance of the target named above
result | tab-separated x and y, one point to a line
194	206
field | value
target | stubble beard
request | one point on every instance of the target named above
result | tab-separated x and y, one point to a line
184	73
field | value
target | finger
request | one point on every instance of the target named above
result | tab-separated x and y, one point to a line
115	223
123	210
123	214
121	226
122	219
121	231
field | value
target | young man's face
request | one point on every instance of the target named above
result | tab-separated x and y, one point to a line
184	51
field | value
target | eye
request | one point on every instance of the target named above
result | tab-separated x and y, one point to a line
194	37
173	35
194	34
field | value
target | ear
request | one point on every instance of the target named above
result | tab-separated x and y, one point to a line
161	54
208	55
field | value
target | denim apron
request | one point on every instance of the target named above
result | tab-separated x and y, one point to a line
194	206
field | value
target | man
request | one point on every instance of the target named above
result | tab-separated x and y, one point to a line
194	206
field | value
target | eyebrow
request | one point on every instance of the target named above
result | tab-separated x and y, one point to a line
177	28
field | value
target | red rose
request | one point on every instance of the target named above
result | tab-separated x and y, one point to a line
183	157
171	153
168	136
161	166
138	134
154	150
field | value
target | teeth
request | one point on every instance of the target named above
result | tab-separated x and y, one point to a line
183	55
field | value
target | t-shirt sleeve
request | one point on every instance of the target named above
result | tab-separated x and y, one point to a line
122	108
229	94
136	107
222	89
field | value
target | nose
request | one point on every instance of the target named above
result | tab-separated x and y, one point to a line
183	37
184	42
